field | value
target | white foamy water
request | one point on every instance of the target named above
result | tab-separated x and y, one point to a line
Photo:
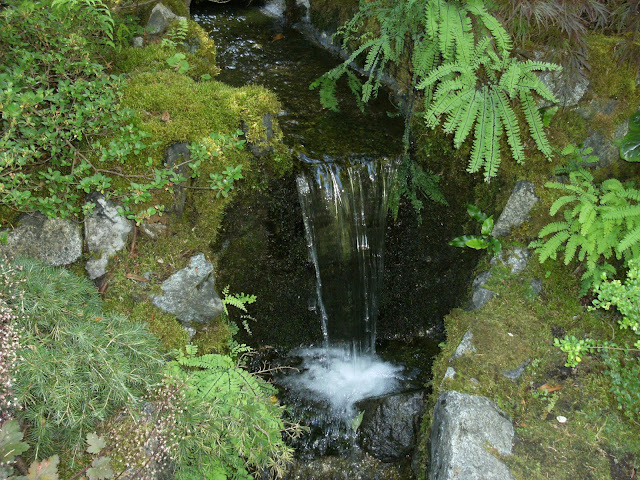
333	376
274	8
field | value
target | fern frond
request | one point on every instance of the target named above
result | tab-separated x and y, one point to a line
443	71
480	51
571	247
460	114
552	246
442	105
529	81
536	126
491	23
448	17
492	145
561	202
630	240
587	218
511	126
509	79
629	211
481	133
425	54
432	18
468	117
553	227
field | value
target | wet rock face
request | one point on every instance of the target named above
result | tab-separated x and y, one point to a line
54	241
463	427
189	293
390	425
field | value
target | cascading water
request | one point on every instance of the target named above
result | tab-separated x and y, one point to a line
344	208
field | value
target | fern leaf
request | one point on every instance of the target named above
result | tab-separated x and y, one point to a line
469	111
492	145
587	218
530	81
531	66
424	57
480	51
498	32
511	126
631	211
480	135
432	18
454	120
443	71
444	104
561	202
552	246
535	123
571	247
553	227
630	240
612	185
509	79
448	15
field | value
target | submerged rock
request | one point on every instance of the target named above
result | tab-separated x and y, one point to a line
520	203
354	467
390	425
464	427
189	293
106	233
54	241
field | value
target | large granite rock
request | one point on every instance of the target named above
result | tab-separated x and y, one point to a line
464	428
160	19
106	234
189	293
54	241
517	209
390	425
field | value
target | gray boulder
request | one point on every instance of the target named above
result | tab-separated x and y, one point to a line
160	19
517	209
189	293
53	241
464	427
390	425
106	234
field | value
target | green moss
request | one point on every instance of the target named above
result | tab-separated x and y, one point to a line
517	327
213	337
165	326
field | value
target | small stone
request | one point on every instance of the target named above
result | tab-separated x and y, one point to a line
160	19
517	209
450	373
138	42
561	419
510	334
536	286
515	374
465	346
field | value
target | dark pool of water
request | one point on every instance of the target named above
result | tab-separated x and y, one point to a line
254	48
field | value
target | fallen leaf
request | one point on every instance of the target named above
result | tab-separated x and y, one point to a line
165	116
277	37
549	388
133	276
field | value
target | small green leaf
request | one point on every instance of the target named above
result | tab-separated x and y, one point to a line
100	469
461	241
487	226
477	243
11	444
355	423
475	213
96	443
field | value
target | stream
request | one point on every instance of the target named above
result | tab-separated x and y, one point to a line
348	297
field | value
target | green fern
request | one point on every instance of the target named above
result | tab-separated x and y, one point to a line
461	61
240	423
601	222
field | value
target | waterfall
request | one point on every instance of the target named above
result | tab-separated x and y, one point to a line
344	208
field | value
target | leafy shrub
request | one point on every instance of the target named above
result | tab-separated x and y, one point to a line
65	133
234	424
601	222
623	362
78	365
